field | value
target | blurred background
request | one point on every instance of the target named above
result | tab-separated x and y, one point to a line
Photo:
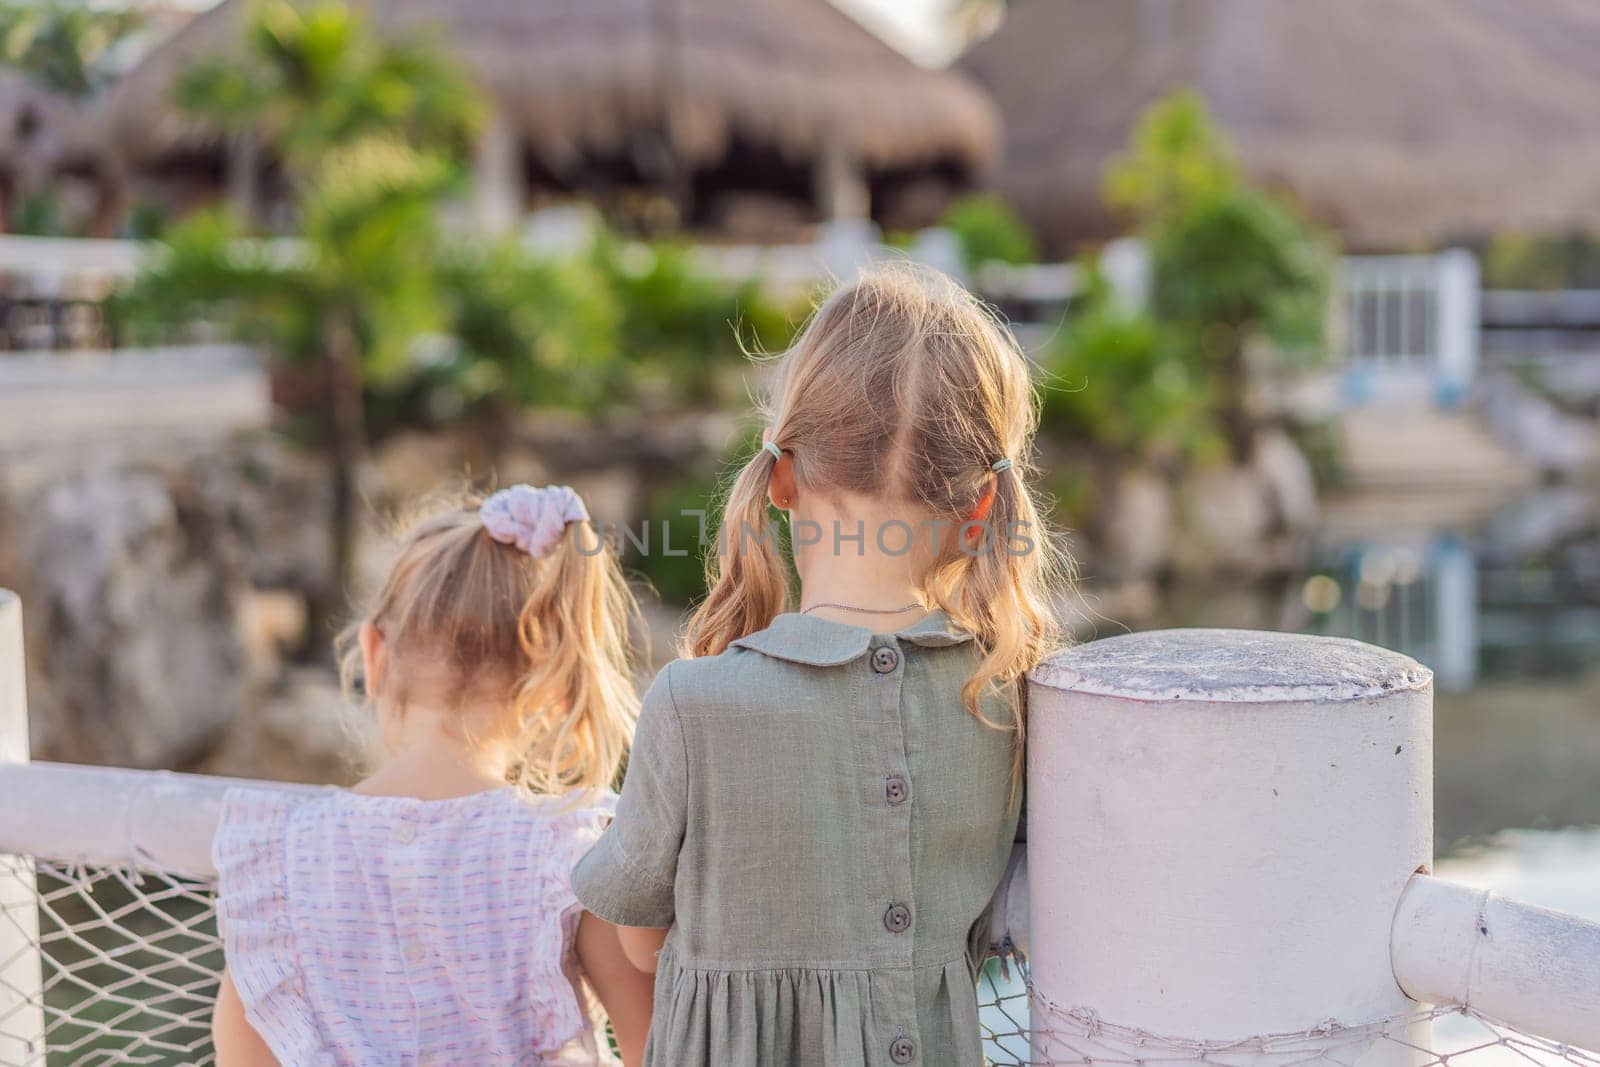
1312	292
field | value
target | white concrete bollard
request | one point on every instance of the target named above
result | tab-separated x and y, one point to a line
1220	824
21	977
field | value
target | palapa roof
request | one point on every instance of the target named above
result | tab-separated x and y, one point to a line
41	130
1400	122
579	77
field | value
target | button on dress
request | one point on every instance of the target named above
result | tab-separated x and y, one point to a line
822	824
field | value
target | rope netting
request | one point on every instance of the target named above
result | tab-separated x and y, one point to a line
1021	1028
103	966
122	966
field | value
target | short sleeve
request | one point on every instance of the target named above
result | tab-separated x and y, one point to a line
627	877
563	1027
250	852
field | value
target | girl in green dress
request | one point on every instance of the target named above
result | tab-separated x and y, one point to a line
823	795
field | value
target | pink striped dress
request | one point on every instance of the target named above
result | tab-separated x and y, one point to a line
365	930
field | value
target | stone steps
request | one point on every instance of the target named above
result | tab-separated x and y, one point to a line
1425	449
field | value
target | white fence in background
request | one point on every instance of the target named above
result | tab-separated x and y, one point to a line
1226	831
55	260
56	399
1407	327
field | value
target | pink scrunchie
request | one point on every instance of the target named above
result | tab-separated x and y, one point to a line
532	518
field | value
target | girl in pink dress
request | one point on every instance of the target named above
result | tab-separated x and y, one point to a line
427	916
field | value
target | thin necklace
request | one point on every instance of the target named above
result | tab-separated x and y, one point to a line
862	611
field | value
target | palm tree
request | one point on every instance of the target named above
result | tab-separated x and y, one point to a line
369	135
63	44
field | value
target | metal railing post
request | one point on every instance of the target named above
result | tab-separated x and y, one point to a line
1220	823
22	1030
1459	326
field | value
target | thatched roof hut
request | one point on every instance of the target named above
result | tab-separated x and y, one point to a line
40	129
1400	123
721	93
44	138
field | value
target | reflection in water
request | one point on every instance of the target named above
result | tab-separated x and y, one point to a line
1507	613
1505	608
1517	596
1416	598
1503	605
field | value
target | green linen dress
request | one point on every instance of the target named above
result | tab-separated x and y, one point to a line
822	825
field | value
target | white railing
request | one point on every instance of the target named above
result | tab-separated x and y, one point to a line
62	398
49	262
1226	830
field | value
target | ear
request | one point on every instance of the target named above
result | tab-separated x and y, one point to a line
374	657
781	487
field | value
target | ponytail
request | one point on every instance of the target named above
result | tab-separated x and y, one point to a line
904	385
536	639
747	577
999	594
576	704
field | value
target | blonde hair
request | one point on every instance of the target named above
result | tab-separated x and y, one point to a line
903	385
546	643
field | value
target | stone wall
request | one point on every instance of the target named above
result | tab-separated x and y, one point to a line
143	578
166	588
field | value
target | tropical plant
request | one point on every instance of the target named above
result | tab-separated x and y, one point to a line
1176	158
989	230
318	77
1233	269
64	44
685	335
670	557
1524	261
370	136
1163	410
527	332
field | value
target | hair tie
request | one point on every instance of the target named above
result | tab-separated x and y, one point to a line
768	446
1001	464
532	518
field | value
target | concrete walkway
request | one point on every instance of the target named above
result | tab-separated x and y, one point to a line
55	399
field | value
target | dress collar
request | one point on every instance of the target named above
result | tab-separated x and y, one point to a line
824	643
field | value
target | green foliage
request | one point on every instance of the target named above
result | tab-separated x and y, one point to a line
1524	261
528	332
385	317
205	270
681	578
989	230
677	578
39	215
318	77
63	44
1176	158
1120	380
365	250
683	335
369	155
146	221
1236	261
1232	268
